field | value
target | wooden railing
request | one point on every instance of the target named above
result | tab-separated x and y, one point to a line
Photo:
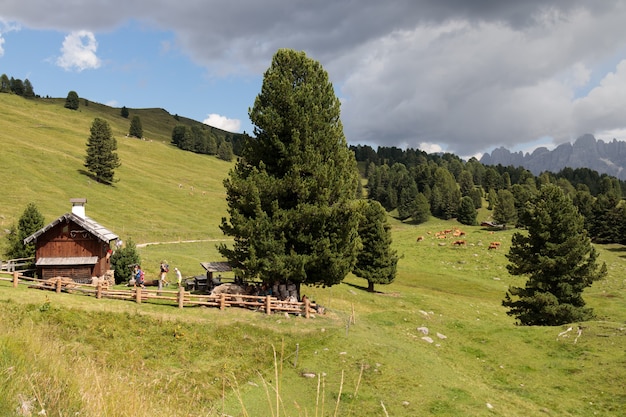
18	264
179	297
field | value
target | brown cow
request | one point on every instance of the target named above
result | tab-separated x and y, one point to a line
458	242
420	238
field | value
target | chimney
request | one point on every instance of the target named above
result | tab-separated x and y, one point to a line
78	206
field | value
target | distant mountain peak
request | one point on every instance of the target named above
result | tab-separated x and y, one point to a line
586	152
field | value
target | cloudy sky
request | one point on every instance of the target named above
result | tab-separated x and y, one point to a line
452	75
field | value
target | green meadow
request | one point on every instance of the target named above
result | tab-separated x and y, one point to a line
369	355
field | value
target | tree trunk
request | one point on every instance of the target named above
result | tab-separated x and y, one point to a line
370	286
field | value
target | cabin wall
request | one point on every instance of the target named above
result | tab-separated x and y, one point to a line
67	239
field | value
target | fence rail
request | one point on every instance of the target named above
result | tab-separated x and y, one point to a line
17	264
180	297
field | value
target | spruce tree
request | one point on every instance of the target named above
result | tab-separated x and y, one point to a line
225	151
467	211
420	212
376	261
30	221
557	257
124	112
136	129
101	159
123	260
71	101
504	211
291	196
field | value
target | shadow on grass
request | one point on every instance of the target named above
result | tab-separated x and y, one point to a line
94	178
362	288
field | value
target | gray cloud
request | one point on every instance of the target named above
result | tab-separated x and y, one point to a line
466	75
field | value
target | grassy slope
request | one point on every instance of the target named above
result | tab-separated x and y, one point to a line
192	355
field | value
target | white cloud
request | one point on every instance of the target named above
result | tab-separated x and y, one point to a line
430	147
467	76
79	52
223	122
5	27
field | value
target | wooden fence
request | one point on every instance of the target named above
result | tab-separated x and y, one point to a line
18	264
180	297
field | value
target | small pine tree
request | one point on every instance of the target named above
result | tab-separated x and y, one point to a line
136	130
101	159
122	262
504	211
30	221
124	112
225	151
420	212
376	261
557	256
71	102
467	211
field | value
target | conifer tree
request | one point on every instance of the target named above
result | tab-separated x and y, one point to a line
123	260
467	211
420	211
136	129
291	197
504	211
101	159
376	261
225	151
30	221
557	257
71	101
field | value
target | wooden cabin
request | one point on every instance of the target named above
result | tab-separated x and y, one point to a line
73	246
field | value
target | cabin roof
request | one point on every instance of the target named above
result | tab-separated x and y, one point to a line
73	260
86	223
216	266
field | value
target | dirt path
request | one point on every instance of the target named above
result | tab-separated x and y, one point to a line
143	245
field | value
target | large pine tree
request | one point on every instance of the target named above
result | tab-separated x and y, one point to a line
291	197
101	159
376	262
557	257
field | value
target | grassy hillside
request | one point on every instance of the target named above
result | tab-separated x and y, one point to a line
163	193
71	354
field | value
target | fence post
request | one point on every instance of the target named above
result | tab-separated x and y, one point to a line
99	290
58	285
307	304
222	301
15	280
138	295
181	297
268	304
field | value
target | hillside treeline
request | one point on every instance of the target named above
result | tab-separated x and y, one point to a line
204	140
16	86
417	184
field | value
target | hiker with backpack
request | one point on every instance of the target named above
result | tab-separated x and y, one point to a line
139	276
165	268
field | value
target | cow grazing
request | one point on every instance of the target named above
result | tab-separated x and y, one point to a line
459	242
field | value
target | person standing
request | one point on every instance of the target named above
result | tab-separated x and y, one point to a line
165	268
139	276
179	277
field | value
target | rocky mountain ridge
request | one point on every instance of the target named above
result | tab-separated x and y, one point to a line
586	152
